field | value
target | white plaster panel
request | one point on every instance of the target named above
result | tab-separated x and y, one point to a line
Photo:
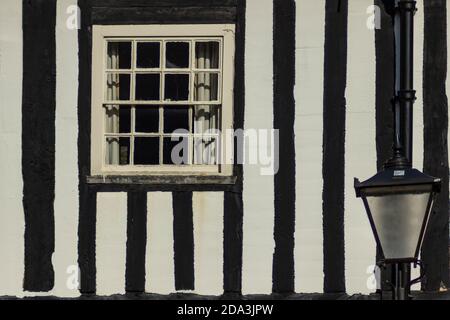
310	37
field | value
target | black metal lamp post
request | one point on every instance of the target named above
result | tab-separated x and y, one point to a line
399	199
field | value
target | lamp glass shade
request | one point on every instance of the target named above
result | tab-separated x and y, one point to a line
398	203
399	221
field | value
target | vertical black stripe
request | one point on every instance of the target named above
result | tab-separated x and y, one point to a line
385	83
435	248
136	241
334	144
284	116
86	240
183	234
233	203
87	197
385	86
232	255
38	141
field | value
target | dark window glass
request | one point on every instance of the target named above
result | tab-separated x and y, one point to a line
176	118
177	55
148	55
147	87
146	151
118	119
124	150
124	119
147	119
176	87
206	86
119	55
118	87
118	151
207	55
179	147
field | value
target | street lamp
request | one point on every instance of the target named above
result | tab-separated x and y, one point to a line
399	199
398	202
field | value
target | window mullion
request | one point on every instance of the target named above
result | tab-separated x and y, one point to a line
133	131
191	141
161	134
162	74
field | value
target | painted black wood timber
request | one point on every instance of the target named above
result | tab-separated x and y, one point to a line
435	112
334	108
183	234
284	116
163	15
87	196
384	93
136	241
38	141
233	202
385	82
165	3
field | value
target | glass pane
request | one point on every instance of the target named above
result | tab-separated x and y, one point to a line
176	152
205	150
176	87
398	220
148	54
207	55
176	118
177	55
147	87
118	119
147	119
146	151
206	86
117	151
119	55
118	87
206	119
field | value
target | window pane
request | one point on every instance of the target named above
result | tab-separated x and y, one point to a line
118	119
207	55
148	54
176	118
147	86
177	55
146	151
119	55
117	151
205	150
176	152
118	87
206	86
176	87
206	119
147	119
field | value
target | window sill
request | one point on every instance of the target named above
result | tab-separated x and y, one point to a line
162	180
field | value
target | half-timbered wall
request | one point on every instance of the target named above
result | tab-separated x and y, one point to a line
311	68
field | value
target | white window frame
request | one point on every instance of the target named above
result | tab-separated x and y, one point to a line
100	35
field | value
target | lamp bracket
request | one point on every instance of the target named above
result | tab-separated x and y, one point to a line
405	96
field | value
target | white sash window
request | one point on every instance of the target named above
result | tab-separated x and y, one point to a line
162	99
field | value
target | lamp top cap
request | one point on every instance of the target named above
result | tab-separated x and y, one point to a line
392	177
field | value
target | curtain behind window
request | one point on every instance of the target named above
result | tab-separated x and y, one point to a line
205	116
112	111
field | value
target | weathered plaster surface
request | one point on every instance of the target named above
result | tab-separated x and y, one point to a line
12	223
308	134
258	193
